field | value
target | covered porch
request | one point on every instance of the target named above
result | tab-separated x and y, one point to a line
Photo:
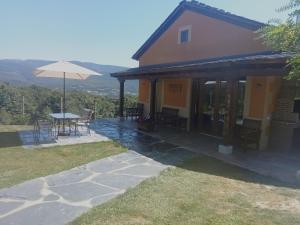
232	83
281	166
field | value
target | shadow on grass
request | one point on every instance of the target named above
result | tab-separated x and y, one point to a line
9	139
215	167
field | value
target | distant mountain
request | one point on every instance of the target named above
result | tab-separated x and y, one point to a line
20	72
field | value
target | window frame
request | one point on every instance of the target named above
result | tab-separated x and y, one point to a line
182	29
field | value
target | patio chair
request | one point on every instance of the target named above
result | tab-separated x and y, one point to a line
168	117
134	112
249	133
84	121
42	127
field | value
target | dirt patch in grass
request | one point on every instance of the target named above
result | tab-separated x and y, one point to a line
283	204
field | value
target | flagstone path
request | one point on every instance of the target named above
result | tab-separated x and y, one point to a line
60	198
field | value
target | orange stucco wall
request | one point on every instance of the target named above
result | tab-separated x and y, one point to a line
144	91
274	87
175	92
263	96
257	101
260	103
209	38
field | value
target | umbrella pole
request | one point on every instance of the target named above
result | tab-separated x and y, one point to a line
64	103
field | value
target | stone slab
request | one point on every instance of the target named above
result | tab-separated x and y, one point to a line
68	177
6	207
44	214
102	199
81	191
117	181
30	190
106	165
141	170
126	157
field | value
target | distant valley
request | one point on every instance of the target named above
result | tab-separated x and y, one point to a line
20	73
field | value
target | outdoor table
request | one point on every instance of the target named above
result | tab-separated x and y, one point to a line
60	119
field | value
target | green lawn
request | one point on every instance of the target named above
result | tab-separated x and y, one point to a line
18	164
202	191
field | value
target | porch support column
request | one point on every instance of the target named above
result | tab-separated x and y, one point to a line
231	108
201	101
197	103
194	105
216	113
153	99
121	106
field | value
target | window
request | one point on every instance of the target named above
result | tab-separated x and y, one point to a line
184	35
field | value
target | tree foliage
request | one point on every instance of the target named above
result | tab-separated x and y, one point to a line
39	102
293	6
285	36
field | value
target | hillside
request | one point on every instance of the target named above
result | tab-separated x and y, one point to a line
20	72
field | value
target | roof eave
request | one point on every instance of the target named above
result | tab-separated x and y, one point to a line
278	60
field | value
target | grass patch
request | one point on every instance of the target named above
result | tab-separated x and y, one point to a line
201	191
18	164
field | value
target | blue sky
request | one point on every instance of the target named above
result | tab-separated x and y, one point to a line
100	31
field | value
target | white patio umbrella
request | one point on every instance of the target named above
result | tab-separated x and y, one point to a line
65	70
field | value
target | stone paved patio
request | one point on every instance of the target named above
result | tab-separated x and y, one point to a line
283	166
60	198
47	141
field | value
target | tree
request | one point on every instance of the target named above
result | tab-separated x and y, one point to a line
285	36
39	102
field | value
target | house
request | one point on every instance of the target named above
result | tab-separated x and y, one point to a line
212	67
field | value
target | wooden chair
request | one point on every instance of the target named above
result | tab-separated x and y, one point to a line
249	133
168	116
84	121
44	126
134	112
